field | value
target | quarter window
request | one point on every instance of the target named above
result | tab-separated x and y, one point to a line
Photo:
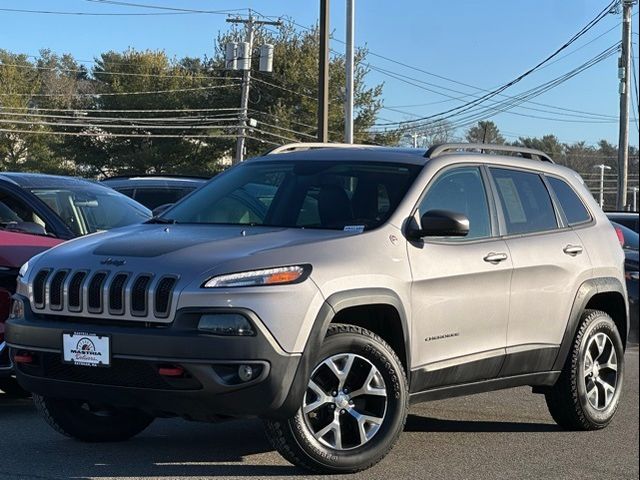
461	191
571	204
525	201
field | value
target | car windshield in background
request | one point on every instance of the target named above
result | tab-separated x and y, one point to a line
300	194
92	208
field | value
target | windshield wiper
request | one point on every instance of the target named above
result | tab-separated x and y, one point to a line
161	220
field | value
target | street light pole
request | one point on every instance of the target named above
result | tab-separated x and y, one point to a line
602	168
349	63
323	70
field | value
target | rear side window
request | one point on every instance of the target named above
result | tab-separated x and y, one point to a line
572	206
525	201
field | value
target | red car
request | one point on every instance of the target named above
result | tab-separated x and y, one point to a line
15	249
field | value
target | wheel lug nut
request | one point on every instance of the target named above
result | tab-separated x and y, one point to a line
335	394
345	391
342	412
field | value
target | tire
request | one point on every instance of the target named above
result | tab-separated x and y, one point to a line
372	367
90	423
10	386
572	401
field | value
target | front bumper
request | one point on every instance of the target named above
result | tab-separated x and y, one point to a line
209	388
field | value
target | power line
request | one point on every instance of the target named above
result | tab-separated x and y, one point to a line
160	7
116	94
511	103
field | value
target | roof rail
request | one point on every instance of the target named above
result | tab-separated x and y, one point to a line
530	153
296	147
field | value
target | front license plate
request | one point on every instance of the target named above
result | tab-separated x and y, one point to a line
86	349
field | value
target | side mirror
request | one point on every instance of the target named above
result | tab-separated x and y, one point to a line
160	209
442	223
26	227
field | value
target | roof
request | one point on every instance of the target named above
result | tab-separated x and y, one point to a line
154	181
412	156
36	180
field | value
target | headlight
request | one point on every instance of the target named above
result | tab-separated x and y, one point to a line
268	276
23	269
17	309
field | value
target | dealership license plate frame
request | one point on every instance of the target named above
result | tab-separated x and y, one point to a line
101	343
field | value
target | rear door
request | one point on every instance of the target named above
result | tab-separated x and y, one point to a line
460	291
549	264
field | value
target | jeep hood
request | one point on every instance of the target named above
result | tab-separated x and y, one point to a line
179	249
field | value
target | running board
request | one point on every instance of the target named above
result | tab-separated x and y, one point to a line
532	379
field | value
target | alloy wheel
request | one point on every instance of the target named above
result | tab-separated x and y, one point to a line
600	371
345	403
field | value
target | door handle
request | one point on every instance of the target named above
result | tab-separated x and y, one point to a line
572	250
495	257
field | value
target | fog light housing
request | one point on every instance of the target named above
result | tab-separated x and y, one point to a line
17	309
245	372
226	324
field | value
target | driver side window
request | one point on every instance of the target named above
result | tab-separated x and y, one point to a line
461	190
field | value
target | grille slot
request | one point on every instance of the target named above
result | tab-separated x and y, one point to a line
39	283
56	289
163	295
139	295
94	298
116	293
74	299
103	294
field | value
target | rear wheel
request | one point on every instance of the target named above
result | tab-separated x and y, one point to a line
354	409
587	393
91	422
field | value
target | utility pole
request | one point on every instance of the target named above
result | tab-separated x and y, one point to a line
349	62
323	70
635	198
602	168
246	56
624	73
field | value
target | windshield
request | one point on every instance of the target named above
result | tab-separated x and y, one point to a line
91	208
340	195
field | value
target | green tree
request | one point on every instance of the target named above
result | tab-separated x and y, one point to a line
26	142
285	101
484	132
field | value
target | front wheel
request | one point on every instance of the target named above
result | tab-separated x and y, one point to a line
91	422
354	408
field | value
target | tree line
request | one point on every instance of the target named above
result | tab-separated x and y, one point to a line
135	112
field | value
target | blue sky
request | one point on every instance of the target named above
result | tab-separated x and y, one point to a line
480	43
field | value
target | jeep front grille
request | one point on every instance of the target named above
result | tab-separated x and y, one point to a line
118	295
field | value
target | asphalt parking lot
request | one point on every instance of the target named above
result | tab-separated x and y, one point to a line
499	435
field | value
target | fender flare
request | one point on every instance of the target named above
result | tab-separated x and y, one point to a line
330	308
585	293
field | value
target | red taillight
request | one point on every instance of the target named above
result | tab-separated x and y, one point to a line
620	236
171	371
23	357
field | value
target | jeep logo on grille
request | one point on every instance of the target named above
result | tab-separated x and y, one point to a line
113	261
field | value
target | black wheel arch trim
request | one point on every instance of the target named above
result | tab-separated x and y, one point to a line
585	293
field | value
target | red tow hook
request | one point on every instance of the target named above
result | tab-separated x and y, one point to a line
23	357
171	371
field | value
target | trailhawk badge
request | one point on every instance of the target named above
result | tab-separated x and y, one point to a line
86	349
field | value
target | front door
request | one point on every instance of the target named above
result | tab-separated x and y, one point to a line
460	292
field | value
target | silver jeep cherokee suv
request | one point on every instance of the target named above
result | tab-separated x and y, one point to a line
325	289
